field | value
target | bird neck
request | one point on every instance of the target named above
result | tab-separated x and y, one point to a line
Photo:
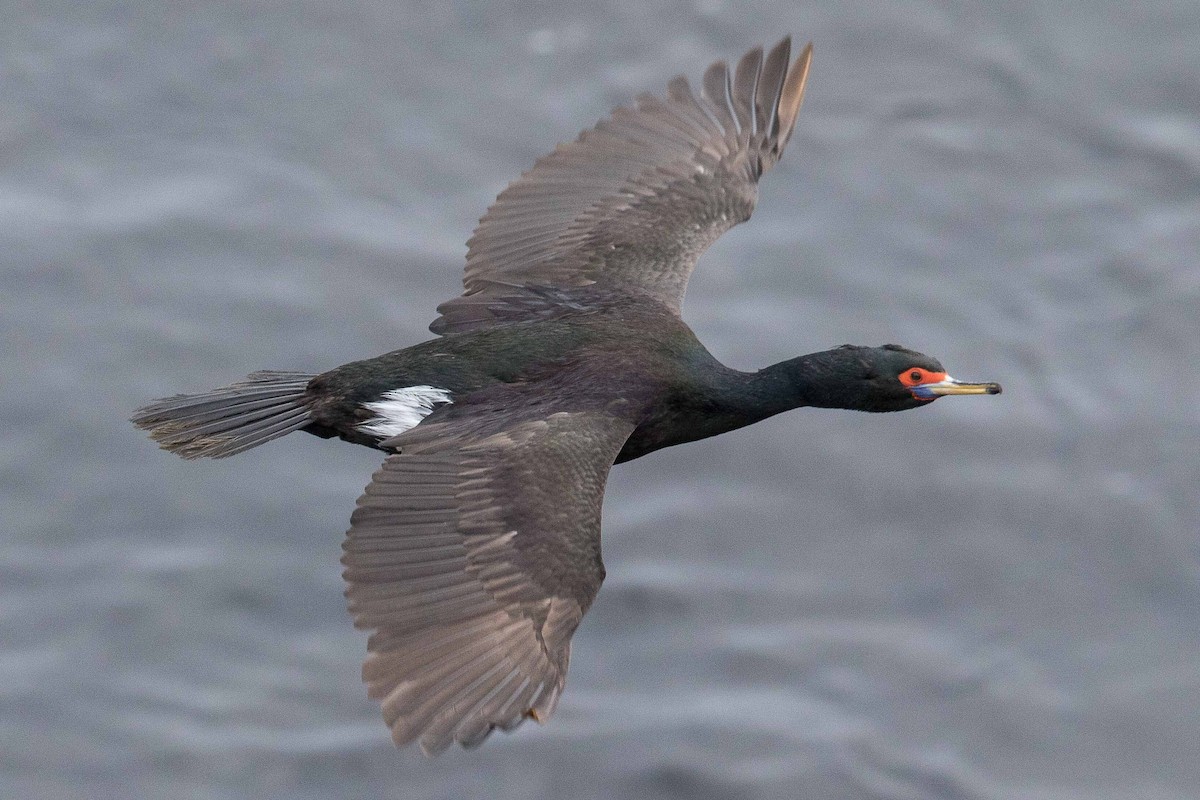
820	380
725	399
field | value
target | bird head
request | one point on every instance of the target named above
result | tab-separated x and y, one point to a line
894	378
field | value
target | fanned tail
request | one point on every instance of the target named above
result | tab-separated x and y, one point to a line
220	423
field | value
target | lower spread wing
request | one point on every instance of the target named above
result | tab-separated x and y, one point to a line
473	556
629	206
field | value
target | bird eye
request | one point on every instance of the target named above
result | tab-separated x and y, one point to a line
915	377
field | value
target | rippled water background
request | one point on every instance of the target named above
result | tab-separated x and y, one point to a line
990	598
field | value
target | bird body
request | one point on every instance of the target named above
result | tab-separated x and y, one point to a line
635	362
474	552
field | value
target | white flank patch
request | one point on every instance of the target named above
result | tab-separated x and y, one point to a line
401	409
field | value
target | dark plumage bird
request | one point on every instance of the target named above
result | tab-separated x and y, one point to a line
475	551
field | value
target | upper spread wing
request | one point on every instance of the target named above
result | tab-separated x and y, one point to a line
473	556
629	206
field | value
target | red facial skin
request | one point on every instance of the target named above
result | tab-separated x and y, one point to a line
915	376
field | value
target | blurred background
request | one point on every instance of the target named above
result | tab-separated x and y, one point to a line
989	598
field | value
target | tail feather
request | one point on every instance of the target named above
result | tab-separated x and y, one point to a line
220	423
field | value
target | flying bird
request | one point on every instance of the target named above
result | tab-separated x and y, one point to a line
474	552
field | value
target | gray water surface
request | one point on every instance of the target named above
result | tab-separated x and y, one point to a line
988	598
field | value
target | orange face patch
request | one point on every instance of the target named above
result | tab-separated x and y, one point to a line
915	376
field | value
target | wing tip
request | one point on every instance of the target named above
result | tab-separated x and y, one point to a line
792	95
767	90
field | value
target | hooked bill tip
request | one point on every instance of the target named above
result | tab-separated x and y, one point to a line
994	388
